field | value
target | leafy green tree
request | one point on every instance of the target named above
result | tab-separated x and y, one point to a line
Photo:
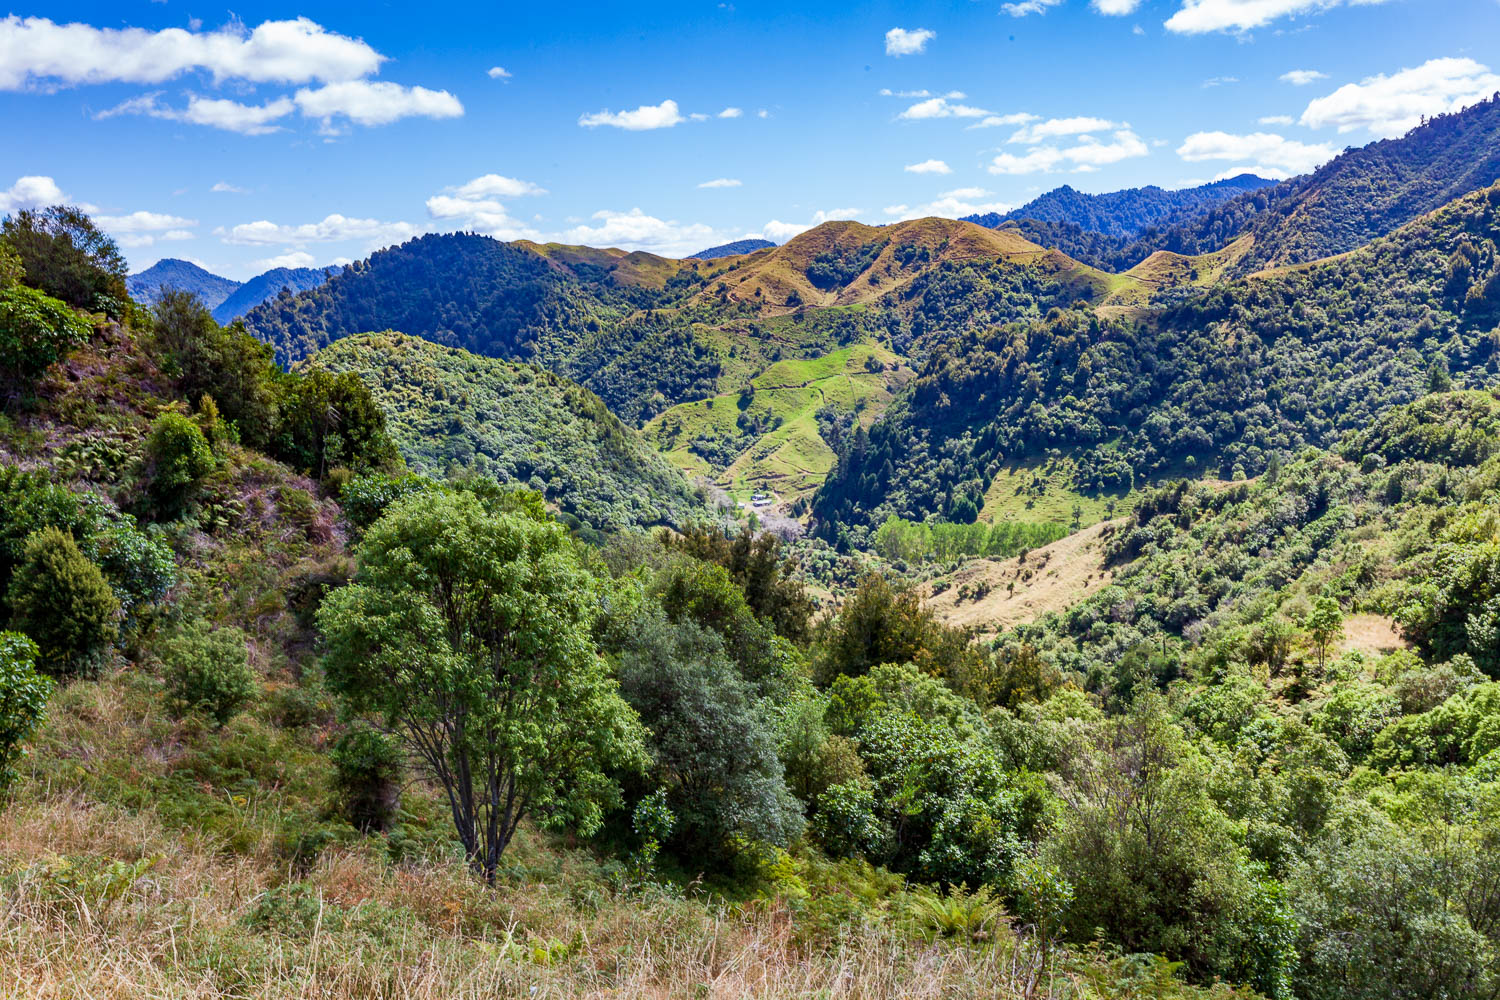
328	421
23	701
1325	624
35	331
69	257
207	670
224	363
468	633
62	601
180	458
714	749
755	563
367	776
11	268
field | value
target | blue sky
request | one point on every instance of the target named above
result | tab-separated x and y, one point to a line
316	134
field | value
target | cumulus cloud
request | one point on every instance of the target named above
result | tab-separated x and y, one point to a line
1005	121
1268	152
1302	77
1026	7
37	50
372	102
1086	155
1055	128
647	116
143	222
1200	16
635	230
333	228
496	186
721	182
953	204
214	112
907	42
498	73
732	113
929	167
1278	120
292	258
940	107
1116	8
31	192
1391	105
224	187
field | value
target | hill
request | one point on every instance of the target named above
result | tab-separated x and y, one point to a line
732	249
1123	214
449	410
169	272
1251	369
264	286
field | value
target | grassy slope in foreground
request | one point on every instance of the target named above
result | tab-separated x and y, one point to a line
448	408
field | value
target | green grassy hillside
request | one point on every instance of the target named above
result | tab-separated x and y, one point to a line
449	410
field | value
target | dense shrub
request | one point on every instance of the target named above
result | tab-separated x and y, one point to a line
207	671
69	257
23	700
367	777
62	601
180	458
35	331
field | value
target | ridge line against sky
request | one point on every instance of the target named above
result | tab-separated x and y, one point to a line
309	136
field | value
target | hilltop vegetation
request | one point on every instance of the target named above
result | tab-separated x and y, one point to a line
450	412
264	286
1122	214
732	249
184	276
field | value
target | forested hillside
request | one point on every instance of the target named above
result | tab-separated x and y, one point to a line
264	286
184	276
1223	382
1123	214
451	412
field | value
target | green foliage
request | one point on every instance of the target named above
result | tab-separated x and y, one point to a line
943	541
207	671
755	564
62	601
468	632
35	331
224	363
23	701
884	624
11	268
714	750
69	257
367	777
180	459
449	411
331	420
365	498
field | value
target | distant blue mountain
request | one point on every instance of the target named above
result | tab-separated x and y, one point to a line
731	249
267	286
147	286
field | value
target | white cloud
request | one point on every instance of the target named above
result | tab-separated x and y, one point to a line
1086	155
495	186
37	50
888	92
953	204
479	215
1199	16
999	121
333	228
1278	120
224	187
647	116
31	192
1116	8
372	102
135	241
780	232
929	167
1028	7
721	182
762	113
293	258
214	112
1265	149
1057	127
1391	105
904	42
939	107
635	230
142	222
732	113
1302	77
1219	81
498	73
